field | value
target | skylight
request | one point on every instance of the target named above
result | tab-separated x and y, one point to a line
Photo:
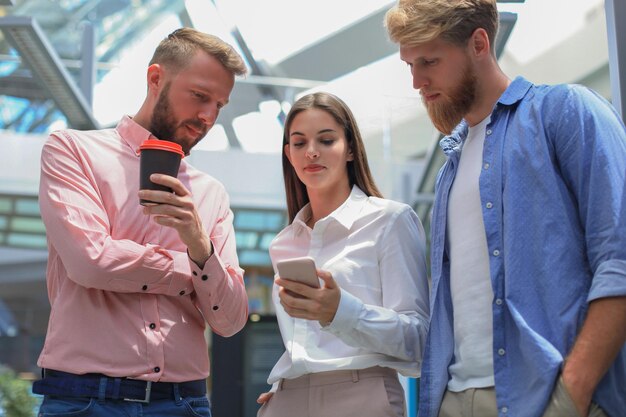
543	24
274	29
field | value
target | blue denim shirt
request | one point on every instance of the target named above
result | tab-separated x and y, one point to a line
554	171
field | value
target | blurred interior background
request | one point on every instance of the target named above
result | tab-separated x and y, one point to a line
82	64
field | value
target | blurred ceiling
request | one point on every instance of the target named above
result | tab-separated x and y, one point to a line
53	54
94	53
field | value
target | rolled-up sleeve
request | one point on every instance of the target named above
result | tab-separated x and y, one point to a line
592	158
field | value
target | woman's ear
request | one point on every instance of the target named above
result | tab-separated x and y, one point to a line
287	154
350	156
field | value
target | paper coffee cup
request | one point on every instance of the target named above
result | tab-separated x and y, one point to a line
158	157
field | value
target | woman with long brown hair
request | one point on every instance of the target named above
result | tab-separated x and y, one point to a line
347	340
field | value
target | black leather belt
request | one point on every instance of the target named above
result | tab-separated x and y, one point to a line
94	385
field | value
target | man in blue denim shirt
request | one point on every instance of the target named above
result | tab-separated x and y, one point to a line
528	230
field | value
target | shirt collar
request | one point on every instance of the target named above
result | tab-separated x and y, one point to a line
451	144
132	133
345	214
515	92
303	216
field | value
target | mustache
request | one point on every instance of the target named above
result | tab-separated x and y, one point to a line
196	124
454	105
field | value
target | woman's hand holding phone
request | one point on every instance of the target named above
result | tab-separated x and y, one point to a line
301	300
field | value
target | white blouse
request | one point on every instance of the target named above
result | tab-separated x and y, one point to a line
375	250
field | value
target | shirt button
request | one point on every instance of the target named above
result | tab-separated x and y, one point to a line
205	277
489	205
499	301
182	292
195	274
157	369
501	352
215	308
505	410
496	252
486	166
489	131
152	326
145	287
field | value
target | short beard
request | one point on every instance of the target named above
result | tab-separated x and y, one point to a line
163	125
449	113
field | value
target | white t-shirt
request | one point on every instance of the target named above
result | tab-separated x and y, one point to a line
470	281
375	250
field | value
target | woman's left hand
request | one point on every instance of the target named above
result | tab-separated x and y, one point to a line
305	302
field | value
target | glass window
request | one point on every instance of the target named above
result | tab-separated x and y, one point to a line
27	224
246	240
26	240
27	206
6	205
254	258
266	239
274	29
259	220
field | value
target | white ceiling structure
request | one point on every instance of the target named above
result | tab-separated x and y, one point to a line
295	47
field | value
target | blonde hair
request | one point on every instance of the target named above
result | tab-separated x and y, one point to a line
358	169
180	46
414	22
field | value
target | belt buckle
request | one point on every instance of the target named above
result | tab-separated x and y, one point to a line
146	399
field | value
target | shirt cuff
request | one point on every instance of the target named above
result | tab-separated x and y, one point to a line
212	252
347	315
212	267
609	280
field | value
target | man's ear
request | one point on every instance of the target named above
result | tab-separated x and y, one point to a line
155	77
479	44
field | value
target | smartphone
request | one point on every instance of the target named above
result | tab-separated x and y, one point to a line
300	270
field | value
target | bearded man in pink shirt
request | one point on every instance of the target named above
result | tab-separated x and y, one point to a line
132	288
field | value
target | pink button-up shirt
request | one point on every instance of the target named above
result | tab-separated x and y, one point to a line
126	299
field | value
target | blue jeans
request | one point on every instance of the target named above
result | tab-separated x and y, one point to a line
75	407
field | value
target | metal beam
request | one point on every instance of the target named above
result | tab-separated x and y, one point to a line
88	56
616	32
31	43
21	84
266	91
507	22
313	63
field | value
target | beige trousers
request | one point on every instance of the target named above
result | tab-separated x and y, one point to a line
481	402
473	402
372	392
